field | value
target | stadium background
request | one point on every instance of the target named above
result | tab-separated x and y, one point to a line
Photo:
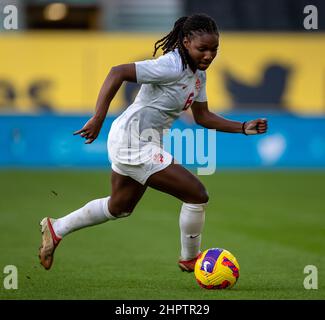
268	65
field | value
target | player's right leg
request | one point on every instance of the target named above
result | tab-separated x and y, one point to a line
126	193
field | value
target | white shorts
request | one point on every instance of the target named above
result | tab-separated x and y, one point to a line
137	160
156	160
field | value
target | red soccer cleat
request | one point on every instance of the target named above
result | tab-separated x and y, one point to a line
49	243
188	265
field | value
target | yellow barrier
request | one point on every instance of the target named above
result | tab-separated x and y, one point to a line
64	71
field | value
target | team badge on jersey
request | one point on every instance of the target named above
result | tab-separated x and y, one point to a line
198	84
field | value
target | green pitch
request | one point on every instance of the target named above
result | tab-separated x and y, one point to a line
273	222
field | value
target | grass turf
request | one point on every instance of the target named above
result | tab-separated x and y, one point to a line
273	222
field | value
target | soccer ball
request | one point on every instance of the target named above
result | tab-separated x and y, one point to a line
216	268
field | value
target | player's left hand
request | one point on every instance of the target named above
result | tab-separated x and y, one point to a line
257	126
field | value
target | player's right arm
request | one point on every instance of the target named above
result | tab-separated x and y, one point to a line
112	83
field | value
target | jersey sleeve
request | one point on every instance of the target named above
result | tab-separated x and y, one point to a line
202	95
162	70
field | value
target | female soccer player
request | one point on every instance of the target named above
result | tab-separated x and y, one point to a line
170	84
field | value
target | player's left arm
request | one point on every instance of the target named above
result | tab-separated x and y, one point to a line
204	117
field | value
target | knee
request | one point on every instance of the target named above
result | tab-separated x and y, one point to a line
201	195
119	211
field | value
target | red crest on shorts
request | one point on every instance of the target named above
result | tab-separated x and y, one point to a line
158	158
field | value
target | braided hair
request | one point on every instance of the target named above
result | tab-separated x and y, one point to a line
185	27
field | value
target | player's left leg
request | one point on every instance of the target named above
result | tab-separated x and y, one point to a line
181	183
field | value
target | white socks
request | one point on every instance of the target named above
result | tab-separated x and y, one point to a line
191	221
94	212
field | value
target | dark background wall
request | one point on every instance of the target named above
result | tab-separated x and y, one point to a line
258	15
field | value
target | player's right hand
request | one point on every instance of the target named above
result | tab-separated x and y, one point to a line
90	130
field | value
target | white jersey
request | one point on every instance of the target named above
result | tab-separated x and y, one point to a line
166	91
